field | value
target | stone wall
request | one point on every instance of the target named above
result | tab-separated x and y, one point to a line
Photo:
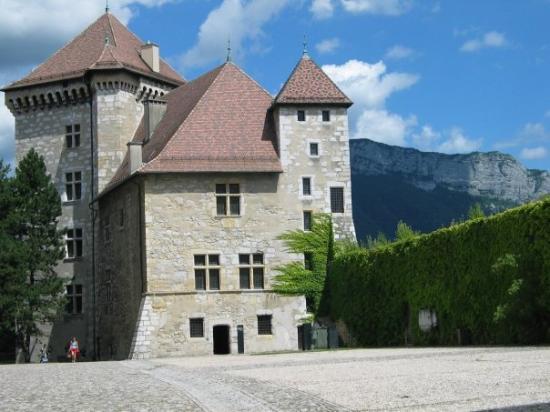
330	168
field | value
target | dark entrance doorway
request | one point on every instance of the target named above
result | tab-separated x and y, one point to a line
221	340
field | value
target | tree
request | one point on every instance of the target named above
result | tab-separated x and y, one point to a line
475	212
379	241
307	278
404	232
30	247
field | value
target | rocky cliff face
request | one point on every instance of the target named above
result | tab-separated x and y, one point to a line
493	174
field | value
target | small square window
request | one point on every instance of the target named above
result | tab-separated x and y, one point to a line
306	186
314	149
244	259
200	260
326	115
196	327
258	258
264	325
307	220
301	115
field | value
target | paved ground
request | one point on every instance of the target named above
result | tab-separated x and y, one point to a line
512	379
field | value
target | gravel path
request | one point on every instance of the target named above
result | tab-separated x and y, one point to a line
430	379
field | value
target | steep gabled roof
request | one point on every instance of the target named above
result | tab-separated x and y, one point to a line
105	44
309	84
221	122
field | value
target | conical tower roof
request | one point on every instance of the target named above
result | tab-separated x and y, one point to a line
105	44
309	84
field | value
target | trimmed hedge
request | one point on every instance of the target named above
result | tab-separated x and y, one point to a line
488	278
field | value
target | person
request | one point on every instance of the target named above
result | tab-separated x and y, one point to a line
74	351
44	354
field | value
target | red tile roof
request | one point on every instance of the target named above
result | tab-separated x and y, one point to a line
309	84
220	122
90	50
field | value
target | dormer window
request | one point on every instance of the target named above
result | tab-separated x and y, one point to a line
326	115
301	115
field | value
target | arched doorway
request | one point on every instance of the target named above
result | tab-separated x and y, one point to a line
221	340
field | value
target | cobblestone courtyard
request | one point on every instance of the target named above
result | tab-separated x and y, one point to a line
514	379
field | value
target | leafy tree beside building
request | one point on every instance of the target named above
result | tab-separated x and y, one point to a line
30	247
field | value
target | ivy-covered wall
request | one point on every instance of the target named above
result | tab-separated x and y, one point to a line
487	280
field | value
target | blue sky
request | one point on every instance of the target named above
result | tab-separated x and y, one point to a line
443	75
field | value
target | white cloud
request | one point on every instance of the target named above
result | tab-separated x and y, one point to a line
533	153
322	9
7	132
328	45
491	39
530	133
385	7
426	138
384	127
31	30
458	142
398	52
238	20
369	86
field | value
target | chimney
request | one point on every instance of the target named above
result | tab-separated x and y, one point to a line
136	157
150	54
154	111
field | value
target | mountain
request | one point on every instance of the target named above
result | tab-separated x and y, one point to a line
428	190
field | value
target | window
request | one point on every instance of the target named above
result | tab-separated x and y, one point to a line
228	199
301	115
196	327
74	243
314	149
73	186
107	229
308	260
306	186
337	199
251	267
74	299
264	324
121	217
207	267
307	220
72	136
326	115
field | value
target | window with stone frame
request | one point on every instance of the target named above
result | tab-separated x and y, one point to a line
326	115
251	271
73	186
73	305
207	272
228	199
72	136
301	115
308	220
196	327
264	325
306	186
337	199
107	235
313	149
73	243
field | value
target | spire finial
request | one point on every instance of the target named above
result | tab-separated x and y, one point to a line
106	6
228	59
304	52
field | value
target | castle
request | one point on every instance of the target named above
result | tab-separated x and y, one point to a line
174	194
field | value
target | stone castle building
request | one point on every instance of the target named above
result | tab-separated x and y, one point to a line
174	194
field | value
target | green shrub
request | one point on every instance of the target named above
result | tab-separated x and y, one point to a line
488	278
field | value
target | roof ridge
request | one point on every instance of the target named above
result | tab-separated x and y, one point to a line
190	112
112	30
289	77
251	78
